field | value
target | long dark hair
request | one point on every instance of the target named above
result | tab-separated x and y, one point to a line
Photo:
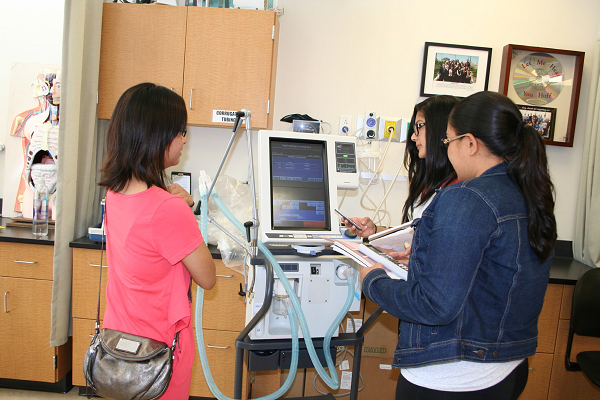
428	174
496	121
144	122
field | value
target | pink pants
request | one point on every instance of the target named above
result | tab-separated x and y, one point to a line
179	387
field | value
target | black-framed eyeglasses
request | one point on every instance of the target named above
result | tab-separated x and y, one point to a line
447	141
418	127
183	132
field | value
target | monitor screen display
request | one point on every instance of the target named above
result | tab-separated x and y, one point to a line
299	185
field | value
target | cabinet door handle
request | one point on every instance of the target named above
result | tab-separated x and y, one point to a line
225	276
532	368
25	262
98	265
191	95
5	302
217	347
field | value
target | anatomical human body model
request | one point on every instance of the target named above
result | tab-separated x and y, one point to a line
38	128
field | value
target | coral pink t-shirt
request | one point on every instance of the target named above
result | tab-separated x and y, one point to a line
148	234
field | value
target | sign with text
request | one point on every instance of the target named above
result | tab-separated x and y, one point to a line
224	116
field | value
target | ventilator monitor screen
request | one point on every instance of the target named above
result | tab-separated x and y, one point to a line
299	185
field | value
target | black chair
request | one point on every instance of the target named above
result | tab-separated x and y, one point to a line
585	321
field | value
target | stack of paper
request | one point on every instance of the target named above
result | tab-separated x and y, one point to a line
350	249
393	238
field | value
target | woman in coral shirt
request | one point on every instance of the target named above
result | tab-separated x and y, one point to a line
154	246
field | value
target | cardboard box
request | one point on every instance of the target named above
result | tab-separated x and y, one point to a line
297	388
382	337
263	382
379	379
358	318
310	382
267	382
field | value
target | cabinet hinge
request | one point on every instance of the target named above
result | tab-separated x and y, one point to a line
97	98
268	106
55	360
273	33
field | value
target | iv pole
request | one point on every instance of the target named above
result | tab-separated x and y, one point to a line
242	116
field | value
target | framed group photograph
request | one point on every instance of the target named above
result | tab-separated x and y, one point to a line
455	70
544	83
541	119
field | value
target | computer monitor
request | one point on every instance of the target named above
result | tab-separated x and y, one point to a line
298	175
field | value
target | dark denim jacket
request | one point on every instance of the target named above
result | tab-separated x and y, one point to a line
475	287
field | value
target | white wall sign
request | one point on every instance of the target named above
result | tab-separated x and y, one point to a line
224	116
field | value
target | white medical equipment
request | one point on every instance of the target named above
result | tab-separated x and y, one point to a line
276	305
320	290
299	174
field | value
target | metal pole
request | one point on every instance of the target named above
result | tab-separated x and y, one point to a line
239	359
212	185
252	183
355	371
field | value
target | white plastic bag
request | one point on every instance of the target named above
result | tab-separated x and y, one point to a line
237	197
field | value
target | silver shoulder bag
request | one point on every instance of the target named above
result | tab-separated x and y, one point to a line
121	366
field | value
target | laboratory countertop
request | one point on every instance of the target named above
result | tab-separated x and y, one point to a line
564	269
23	235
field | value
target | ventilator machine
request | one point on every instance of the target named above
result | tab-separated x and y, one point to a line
295	287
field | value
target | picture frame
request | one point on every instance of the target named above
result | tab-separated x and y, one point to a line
543	119
544	78
455	70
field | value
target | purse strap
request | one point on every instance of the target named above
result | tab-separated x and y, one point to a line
97	326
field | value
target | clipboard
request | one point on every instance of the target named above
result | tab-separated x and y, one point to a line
184	179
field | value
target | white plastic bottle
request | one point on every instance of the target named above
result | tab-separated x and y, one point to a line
40	210
369	158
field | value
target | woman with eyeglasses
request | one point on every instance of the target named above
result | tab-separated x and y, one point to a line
425	159
479	263
153	245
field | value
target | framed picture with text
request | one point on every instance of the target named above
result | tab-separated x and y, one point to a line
542	119
455	70
544	79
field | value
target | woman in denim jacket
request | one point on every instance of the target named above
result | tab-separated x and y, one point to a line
479	264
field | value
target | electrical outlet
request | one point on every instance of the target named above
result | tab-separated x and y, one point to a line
345	125
387	128
391	127
370	126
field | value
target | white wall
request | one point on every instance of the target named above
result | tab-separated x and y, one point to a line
30	32
343	57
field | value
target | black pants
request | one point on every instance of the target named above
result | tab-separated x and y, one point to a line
510	388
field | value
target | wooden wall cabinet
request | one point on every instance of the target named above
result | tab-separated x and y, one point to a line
223	319
26	287
217	59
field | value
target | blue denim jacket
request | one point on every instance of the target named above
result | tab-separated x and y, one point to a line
475	287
